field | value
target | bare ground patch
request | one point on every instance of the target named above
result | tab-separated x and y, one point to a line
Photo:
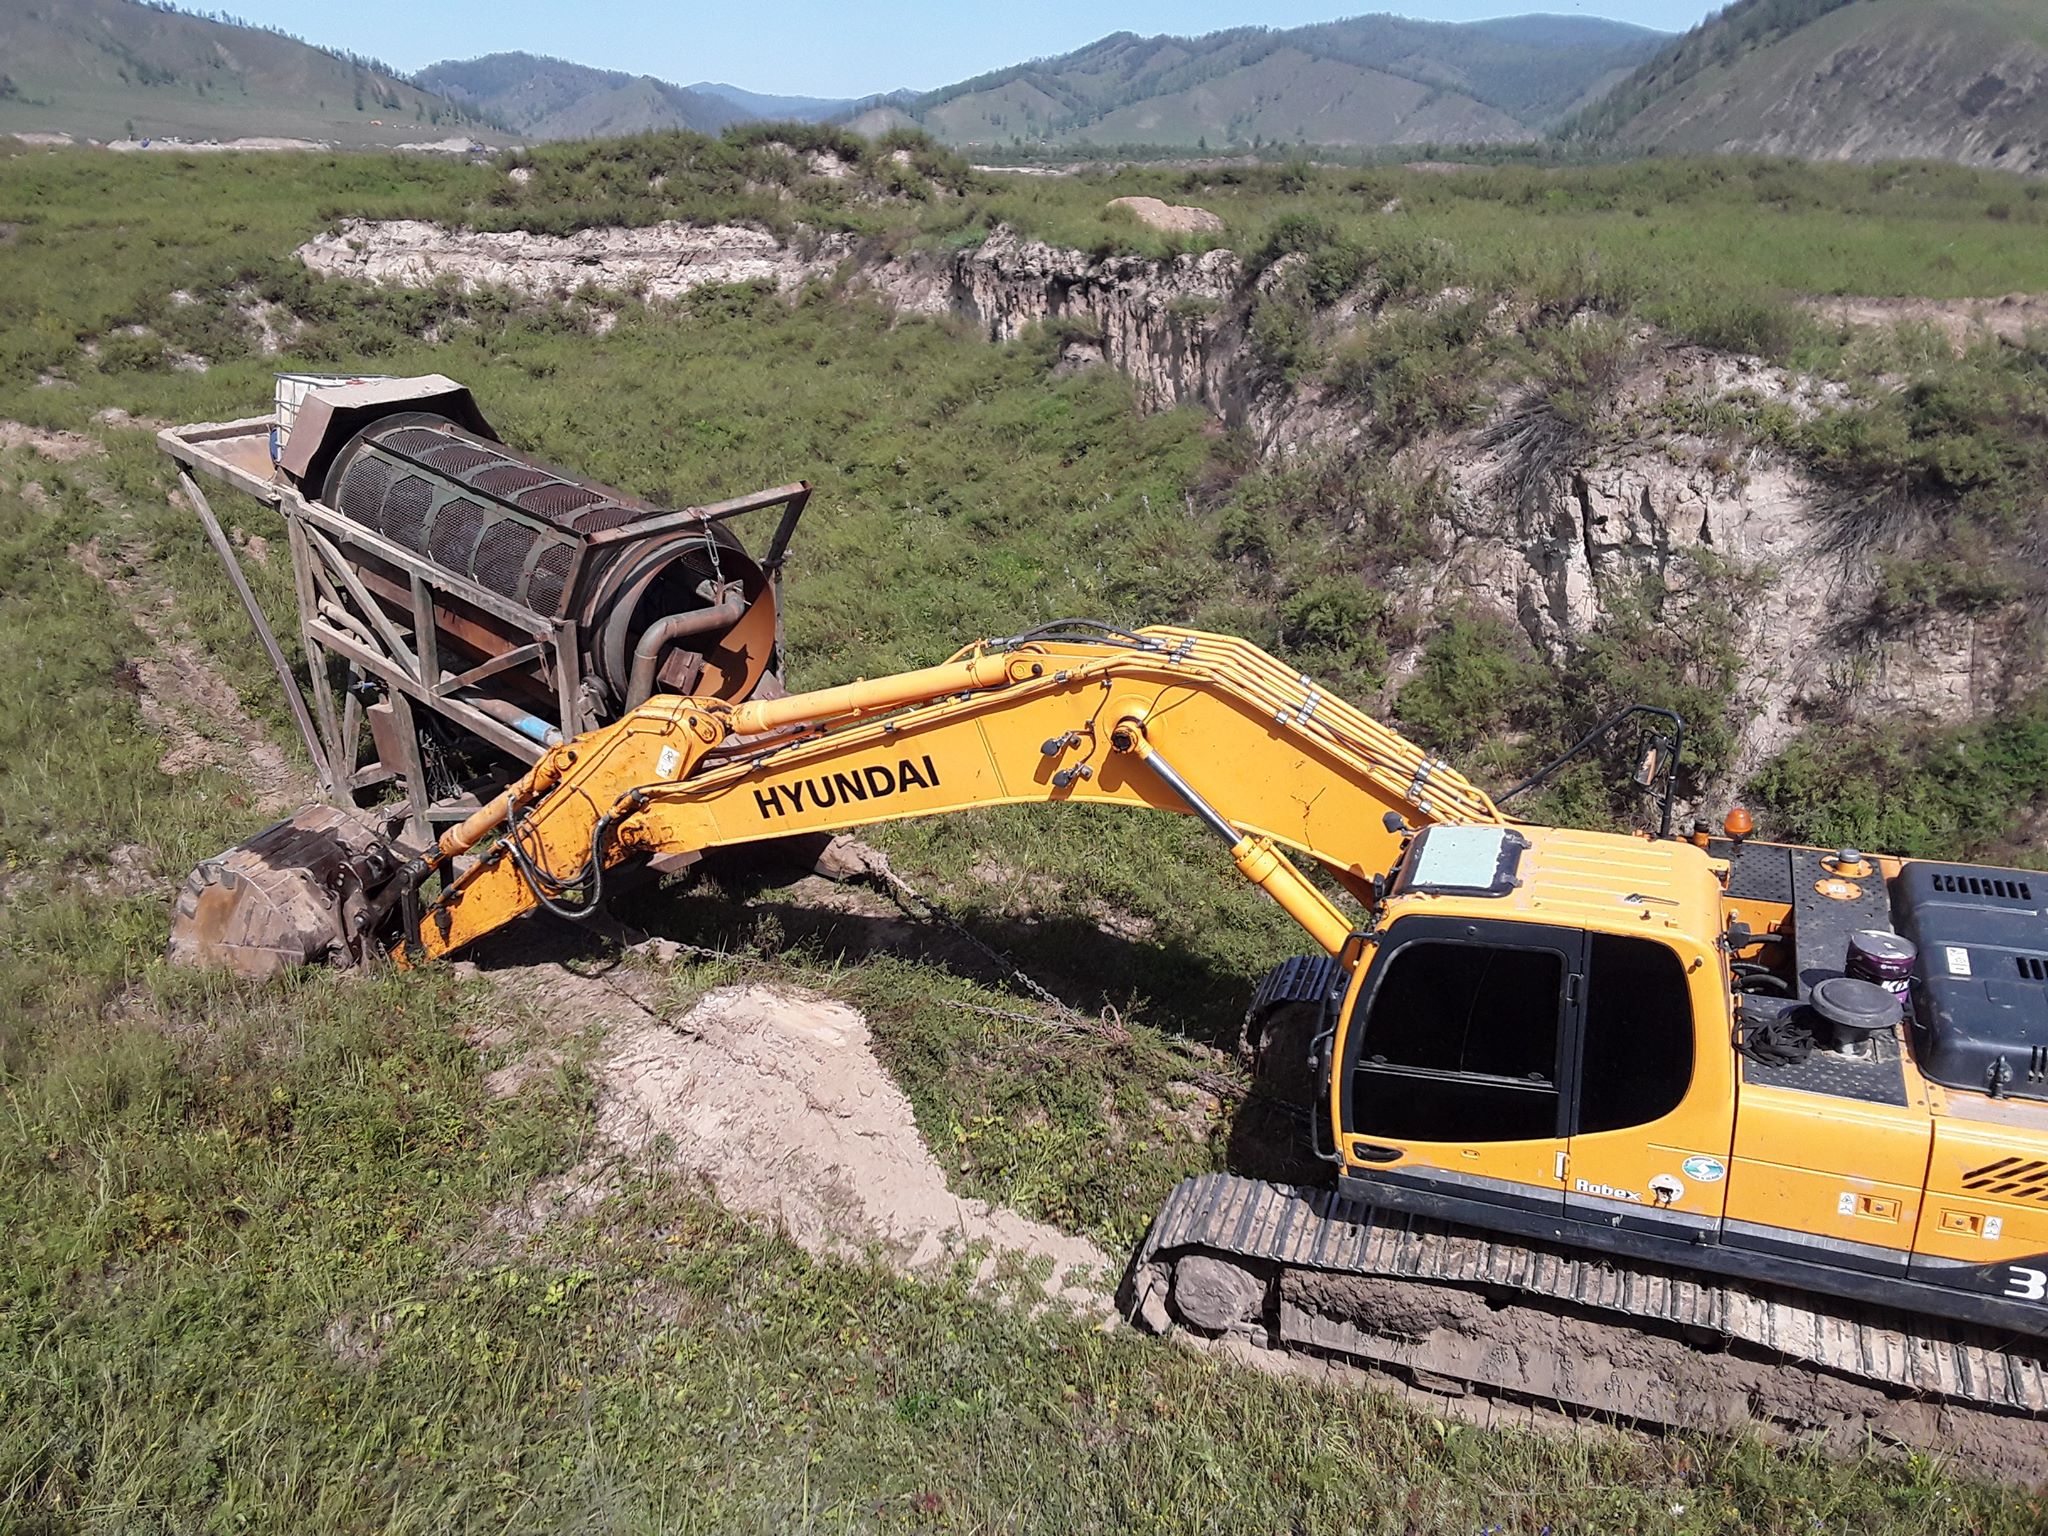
775	1097
183	697
1961	320
48	442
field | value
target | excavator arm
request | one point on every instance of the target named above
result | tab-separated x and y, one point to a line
1166	719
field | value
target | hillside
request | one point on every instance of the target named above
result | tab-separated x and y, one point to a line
1363	81
542	98
1963	80
108	69
801	109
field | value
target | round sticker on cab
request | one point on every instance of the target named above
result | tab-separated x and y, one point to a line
1707	1170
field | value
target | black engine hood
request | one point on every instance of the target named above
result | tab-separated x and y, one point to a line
1980	986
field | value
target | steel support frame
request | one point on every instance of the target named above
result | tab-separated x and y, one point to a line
340	620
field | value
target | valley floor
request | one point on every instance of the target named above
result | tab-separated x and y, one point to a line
551	1240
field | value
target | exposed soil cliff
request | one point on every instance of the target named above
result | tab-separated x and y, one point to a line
1723	530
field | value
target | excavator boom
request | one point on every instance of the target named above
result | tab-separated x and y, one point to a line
1514	1072
1168	719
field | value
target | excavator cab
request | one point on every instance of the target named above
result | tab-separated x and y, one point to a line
1529	1061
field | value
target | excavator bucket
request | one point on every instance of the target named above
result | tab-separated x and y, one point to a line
297	893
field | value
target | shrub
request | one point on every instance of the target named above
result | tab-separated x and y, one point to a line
1281	335
130	351
1478	680
1730	322
1931	794
1335	625
1415	372
1943	480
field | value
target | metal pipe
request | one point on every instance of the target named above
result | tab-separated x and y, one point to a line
334	613
1128	737
323	771
506	713
677	626
758	716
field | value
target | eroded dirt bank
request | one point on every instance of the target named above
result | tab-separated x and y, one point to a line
1728	530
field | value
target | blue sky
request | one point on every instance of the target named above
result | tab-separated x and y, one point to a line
823	48
830	48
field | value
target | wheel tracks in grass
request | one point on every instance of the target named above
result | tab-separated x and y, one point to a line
182	695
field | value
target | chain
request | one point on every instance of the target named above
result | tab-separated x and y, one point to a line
1109	1025
908	894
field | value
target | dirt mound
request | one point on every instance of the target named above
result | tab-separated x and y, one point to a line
1174	218
775	1097
63	446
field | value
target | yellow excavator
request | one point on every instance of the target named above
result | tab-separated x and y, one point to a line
1686	1130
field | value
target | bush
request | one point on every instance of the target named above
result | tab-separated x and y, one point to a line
1731	322
1944	480
1930	794
1416	372
1281	334
1335	625
133	352
1478	680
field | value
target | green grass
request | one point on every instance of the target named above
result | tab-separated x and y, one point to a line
1929	793
251	1277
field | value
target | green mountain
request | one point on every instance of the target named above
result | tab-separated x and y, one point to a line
107	69
781	109
1963	80
1364	81
542	98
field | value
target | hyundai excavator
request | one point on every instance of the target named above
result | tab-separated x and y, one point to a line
1691	1130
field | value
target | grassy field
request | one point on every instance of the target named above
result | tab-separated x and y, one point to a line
253	1278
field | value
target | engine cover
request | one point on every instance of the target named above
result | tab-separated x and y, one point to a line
1980	999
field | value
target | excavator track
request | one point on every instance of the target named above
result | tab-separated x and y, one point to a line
1310	1269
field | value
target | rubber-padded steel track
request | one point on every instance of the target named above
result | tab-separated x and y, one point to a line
1320	1230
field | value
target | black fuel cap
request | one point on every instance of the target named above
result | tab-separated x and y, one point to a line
1856	1009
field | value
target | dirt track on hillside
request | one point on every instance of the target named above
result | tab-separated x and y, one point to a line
183	697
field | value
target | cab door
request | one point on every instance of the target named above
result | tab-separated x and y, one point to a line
1651	1123
1455	1061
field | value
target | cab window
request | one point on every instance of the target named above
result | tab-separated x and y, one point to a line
1636	1064
1462	1045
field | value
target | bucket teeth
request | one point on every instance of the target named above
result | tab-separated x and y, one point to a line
286	897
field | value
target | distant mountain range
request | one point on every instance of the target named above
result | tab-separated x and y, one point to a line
1963	80
781	109
541	98
1366	81
106	69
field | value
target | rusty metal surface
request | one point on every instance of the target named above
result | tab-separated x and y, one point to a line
289	896
564	548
